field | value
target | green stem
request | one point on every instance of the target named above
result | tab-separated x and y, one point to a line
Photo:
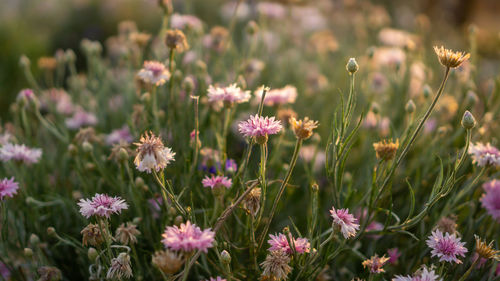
171	196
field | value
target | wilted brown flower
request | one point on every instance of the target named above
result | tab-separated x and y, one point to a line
92	235
276	266
176	40
117	151
386	150
285	114
167	262
375	264
447	224
120	267
127	234
303	129
49	273
87	134
486	250
218	38
252	201
450	59
140	38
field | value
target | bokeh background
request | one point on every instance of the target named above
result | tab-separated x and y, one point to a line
39	28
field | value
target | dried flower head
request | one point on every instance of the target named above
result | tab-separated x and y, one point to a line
447	224
491	197
127	235
141	39
120	267
447	247
375	263
154	72
345	221
87	134
188	237
121	151
102	205
20	153
484	250
168	262
276	266
303	129
47	63
285	114
49	273
386	150
217	38
8	188
252	201
152	154
450	59
259	127
176	40
280	243
92	235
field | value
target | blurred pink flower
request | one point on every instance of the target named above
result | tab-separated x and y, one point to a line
178	21
287	94
81	118
8	188
20	153
228	95
484	154
102	205
394	255
280	243
119	135
154	72
491	198
216	182
188	237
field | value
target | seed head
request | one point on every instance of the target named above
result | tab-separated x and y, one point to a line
303	129
449	58
486	250
386	150
167	261
176	40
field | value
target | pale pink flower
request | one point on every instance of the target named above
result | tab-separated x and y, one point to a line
154	72
188	237
484	154
345	221
423	274
8	188
216	182
280	243
20	153
388	57
5	138
102	205
394	255
227	95
81	118
258	126
395	37
287	94
119	135
152	154
491	198
271	10
178	21
447	247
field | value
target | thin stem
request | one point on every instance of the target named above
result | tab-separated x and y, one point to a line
170	195
154	108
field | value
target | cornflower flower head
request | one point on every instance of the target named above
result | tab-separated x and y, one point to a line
375	264
449	58
486	251
154	73
423	274
491	198
81	118
27	96
152	154
127	235
280	243
102	205
227	95
120	267
303	129
20	153
188	237
386	150
215	182
168	262
176	40
276	266
259	127
447	247
345	221
274	97
484	154
119	135
8	188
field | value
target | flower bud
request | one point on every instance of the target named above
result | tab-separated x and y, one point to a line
375	108
427	91
28	252
178	220
410	106
70	56
34	239
24	61
87	147
188	84
352	66
252	27
468	120
92	254
139	182
471	98
146	97
51	231
225	257
122	155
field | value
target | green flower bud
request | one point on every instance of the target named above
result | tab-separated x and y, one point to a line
352	66
468	120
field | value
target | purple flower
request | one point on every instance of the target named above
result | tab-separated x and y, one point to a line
394	255
280	243
258	126
188	237
345	221
8	187
119	135
484	154
216	182
231	166
228	95
81	118
20	153
447	247
491	199
102	205
4	271
423	274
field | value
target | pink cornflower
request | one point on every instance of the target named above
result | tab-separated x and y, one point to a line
152	154
102	205
345	221
394	255
227	95
119	135
26	95
8	187
375	264
484	155
178	21
20	153
491	199
424	274
446	247
81	118
188	237
216	182
154	72
280	243
287	94
258	126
